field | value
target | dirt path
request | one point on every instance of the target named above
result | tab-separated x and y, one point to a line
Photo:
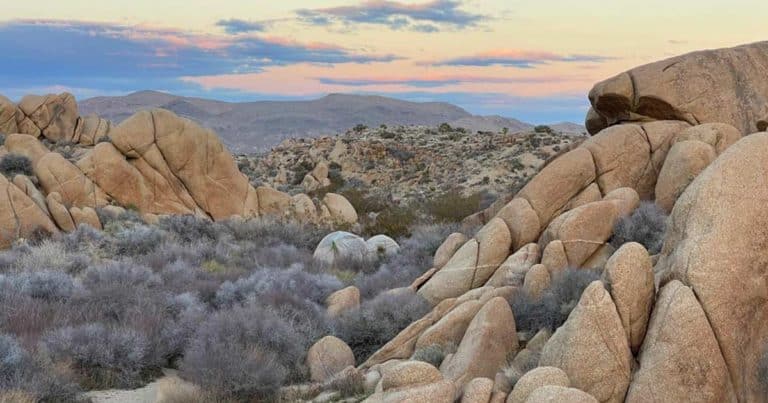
146	394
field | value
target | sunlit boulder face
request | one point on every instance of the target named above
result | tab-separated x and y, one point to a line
722	86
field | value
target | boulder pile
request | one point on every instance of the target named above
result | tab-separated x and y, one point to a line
688	324
154	162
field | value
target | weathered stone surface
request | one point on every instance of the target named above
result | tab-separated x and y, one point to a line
342	301
455	278
594	122
512	271
446	250
536	280
626	200
522	221
590	194
410	373
723	85
25	184
59	212
190	158
403	345
550	190
599	258
629	275
494	242
536	378
92	129
582	230
680	359
273	202
591	347
438	392
490	337
327	357
558	394
478	390
26	145
450	328
686	159
56	174
717	243
85	215
8	112
55	116
719	135
302	208
340	208
554	257
20	216
381	246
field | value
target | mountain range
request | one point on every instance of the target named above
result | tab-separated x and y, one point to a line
247	127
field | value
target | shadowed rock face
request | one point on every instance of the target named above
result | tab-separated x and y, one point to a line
723	85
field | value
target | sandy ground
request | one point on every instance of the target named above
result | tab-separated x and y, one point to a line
147	394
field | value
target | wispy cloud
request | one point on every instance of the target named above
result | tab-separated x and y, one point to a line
80	54
438	81
431	16
236	26
518	58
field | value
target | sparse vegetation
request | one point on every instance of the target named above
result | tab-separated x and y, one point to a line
434	354
646	226
15	164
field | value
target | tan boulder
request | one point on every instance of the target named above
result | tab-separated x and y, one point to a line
494	243
340	208
20	216
715	244
626	200
599	258
134	184
680	359
85	215
723	85
55	116
559	394
554	257
451	327
552	188
273	201
59	212
512	271
342	301
303	208
56	174
582	230
26	145
25	184
594	122
191	159
719	135
478	390
92	129
522	221
409	373
490	337
327	357
590	194
629	276
8	113
404	344
686	159
446	250
536	378
438	392
537	280
455	278
592	348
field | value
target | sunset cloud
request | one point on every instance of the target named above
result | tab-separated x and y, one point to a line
523	59
235	26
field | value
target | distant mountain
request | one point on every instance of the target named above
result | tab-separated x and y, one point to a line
247	127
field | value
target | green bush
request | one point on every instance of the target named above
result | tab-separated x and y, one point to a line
452	206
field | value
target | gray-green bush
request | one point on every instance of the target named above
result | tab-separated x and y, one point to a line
15	164
646	225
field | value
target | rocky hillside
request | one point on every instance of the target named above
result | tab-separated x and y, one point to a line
412	163
257	126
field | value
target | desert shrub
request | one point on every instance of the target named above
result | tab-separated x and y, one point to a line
102	356
120	275
542	129
452	206
377	321
48	255
415	257
270	231
444	128
552	308
136	241
400	155
15	164
245	352
47	285
433	354
188	228
294	280
23	375
762	369
394	221
110	220
646	225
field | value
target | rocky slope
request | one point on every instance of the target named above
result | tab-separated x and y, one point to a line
687	324
410	163
154	162
257	126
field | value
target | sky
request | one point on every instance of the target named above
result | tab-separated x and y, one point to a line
532	60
